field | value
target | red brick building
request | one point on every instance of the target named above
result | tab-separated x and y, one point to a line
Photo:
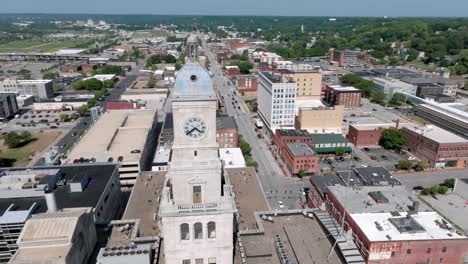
227	133
232	71
386	234
87	68
300	157
285	136
350	97
436	146
364	135
247	85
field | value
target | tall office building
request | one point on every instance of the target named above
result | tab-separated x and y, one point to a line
197	208
276	96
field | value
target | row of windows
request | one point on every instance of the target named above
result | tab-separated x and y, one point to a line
197	231
199	261
225	135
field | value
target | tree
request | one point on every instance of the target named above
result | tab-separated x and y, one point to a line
89	84
151	82
301	173
392	138
398	99
178	66
83	110
433	190
57	87
64	117
362	84
117	70
15	140
442	189
244	146
405	164
50	75
249	162
340	151
378	97
420	166
450	183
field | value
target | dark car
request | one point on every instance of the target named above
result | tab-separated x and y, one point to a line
384	157
366	149
418	188
53	127
356	158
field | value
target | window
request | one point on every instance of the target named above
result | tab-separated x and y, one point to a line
408	251
186	261
211	229
195	153
197	198
444	249
199	261
428	250
198	230
393	254
184	232
212	260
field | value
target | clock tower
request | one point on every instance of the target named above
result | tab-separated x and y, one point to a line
197	208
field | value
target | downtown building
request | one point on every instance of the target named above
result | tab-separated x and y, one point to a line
40	89
276	98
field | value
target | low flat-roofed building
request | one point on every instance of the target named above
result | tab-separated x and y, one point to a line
232	158
299	157
367	134
320	119
63	237
227	133
436	146
329	143
124	136
450	86
391	86
247	85
38	88
102	77
390	225
59	104
24	100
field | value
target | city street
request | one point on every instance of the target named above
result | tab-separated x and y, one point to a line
276	186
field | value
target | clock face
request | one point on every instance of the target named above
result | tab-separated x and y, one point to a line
195	128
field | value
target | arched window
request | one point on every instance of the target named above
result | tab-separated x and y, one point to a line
198	230
184	232
211	230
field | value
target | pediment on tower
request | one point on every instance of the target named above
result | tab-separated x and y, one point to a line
197	180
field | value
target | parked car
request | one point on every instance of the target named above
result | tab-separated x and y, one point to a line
281	204
418	188
384	157
366	149
356	158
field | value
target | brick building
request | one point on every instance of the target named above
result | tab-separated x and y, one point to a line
120	105
282	137
300	157
226	132
366	135
232	71
247	85
436	146
343	57
389	225
350	97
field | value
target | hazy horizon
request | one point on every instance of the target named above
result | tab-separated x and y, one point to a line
338	8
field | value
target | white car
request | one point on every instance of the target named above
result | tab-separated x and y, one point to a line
411	158
281	205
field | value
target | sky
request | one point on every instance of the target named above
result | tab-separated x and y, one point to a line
446	8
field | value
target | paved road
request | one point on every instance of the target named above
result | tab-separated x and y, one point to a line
276	186
430	178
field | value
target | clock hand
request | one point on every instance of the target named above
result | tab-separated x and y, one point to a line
197	129
190	131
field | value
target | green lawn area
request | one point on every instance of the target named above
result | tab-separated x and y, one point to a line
24	154
40	45
420	64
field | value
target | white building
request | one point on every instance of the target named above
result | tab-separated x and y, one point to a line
232	158
390	86
38	88
196	210
270	58
276	96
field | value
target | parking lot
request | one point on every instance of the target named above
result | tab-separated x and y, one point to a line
373	157
31	120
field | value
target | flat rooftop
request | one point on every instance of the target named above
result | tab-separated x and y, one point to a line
357	199
437	134
225	122
293	132
248	195
276	78
340	88
116	134
144	201
98	176
399	227
303	239
232	157
300	149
